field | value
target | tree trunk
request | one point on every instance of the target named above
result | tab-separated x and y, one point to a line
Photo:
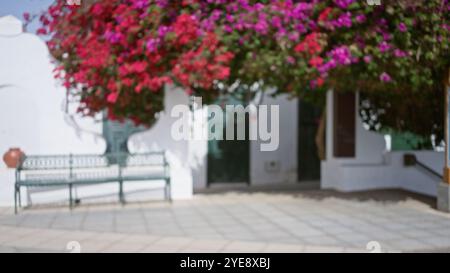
320	136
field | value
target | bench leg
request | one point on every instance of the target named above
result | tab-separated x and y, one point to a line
15	200
70	197
168	195
20	198
121	195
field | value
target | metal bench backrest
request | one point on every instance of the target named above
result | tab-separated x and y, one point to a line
147	159
59	162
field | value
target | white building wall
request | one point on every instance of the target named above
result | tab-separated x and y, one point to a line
32	117
177	151
279	166
284	159
373	167
31	104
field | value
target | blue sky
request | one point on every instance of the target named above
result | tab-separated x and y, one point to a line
18	7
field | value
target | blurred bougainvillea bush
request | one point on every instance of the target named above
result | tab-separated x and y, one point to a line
117	55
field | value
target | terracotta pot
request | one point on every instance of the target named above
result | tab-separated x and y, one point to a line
12	157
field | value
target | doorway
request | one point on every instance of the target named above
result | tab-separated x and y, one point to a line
308	159
229	160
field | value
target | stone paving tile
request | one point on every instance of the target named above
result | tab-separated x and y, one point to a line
272	233
437	241
427	225
208	236
282	248
46	239
57	244
323	249
39	221
261	218
288	240
243	247
218	224
444	232
101	227
205	246
6	249
11	221
66	224
30	241
120	247
410	244
415	233
204	234
321	240
305	231
130	228
320	222
79	235
93	246
336	229
6	237
168	244
368	228
16	232
233	228
398	227
354	239
245	236
384	235
137	238
106	236
193	224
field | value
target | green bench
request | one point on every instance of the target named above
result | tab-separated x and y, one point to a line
73	170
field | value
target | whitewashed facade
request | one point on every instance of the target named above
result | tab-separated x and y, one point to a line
32	117
374	167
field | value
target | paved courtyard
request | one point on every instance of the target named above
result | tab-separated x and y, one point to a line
235	221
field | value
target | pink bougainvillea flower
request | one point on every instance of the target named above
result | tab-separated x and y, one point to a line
360	18
290	60
402	27
310	44
26	16
316	61
341	55
343	4
41	31
185	27
320	82
384	77
400	53
367	59
112	97
384	47
324	15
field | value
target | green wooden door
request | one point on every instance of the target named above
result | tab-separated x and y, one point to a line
308	159
228	160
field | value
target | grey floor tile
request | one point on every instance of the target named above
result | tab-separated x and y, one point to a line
257	218
410	244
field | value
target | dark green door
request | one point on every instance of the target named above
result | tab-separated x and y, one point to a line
308	159
228	160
